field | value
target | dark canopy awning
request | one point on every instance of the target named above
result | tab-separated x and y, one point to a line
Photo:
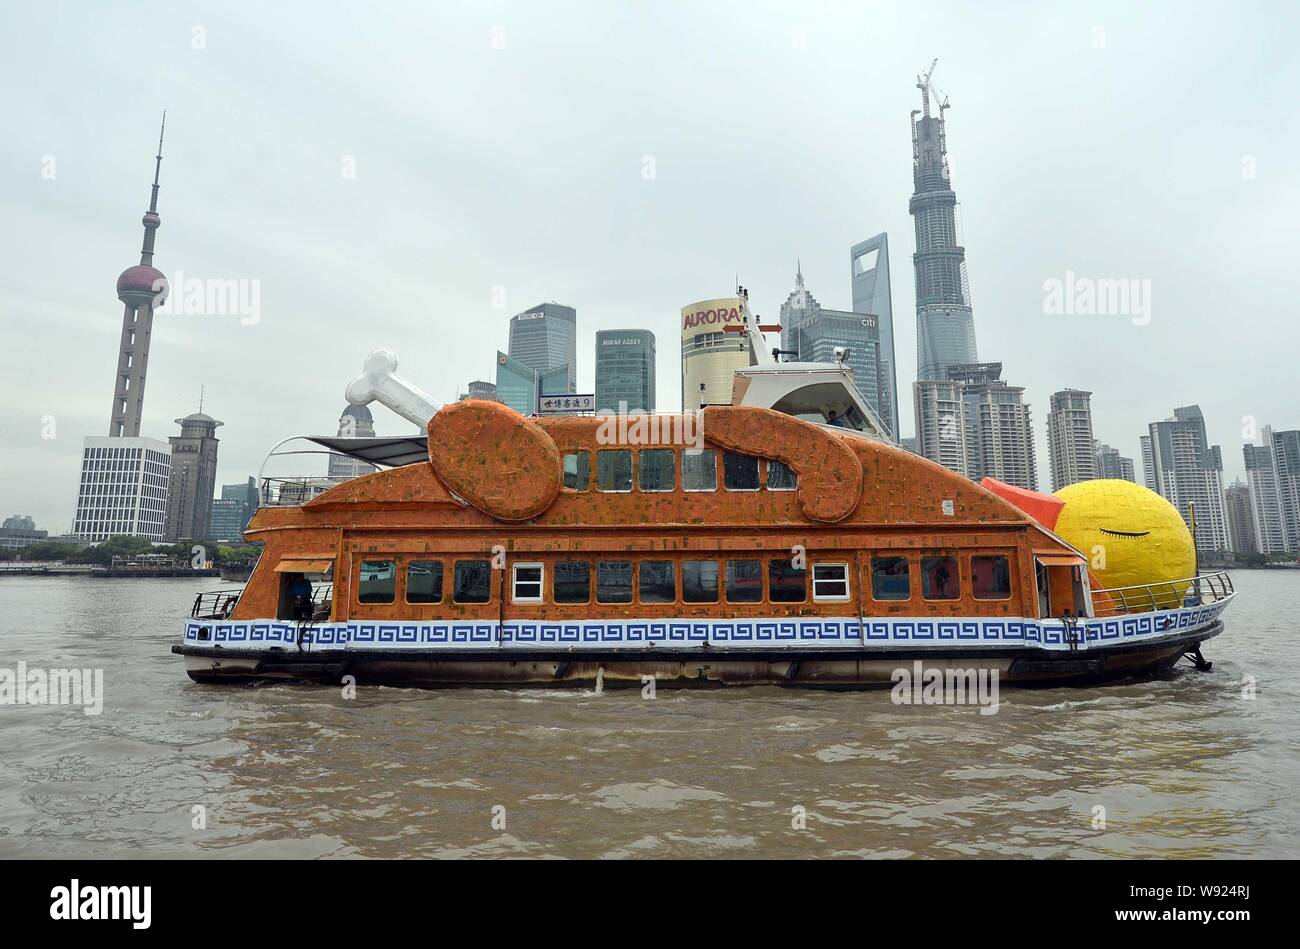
386	452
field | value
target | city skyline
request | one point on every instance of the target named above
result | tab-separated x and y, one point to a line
282	212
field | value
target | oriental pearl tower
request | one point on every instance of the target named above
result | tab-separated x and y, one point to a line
139	288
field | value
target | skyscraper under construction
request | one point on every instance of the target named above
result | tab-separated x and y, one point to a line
945	325
967	417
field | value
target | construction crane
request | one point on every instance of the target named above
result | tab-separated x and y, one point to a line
926	84
928	88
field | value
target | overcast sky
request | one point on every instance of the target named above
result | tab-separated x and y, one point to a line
504	145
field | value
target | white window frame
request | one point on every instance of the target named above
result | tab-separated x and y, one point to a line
515	581
848	582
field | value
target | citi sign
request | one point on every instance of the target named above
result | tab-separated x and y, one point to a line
705	317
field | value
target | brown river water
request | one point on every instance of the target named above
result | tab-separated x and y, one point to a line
1184	766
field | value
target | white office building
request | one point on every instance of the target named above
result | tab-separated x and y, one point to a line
123	489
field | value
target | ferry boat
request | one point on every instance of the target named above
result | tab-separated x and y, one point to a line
782	539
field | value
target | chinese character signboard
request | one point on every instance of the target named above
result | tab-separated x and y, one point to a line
565	404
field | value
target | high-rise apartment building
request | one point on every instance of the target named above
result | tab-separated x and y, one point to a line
1148	462
1111	464
1000	435
1241	518
1189	471
1273	476
941	423
1286	460
1265	495
1069	438
977	424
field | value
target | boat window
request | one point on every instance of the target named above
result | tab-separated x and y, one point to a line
424	581
786	583
700	581
526	582
656	469
577	470
990	578
473	581
827	403
744	581
939	579
831	582
572	583
378	583
614	470
613	581
780	476
658	582
739	472
889	579
700	470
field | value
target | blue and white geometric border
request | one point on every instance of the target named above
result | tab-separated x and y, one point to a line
793	633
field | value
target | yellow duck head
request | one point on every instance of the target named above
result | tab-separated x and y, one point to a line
1130	535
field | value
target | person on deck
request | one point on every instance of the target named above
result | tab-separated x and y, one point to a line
300	595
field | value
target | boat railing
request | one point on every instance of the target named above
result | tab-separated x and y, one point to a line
322	600
282	479
216	604
219	604
1169	594
293	492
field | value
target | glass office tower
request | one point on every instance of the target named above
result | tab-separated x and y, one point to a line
545	337
869	264
625	370
516	384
